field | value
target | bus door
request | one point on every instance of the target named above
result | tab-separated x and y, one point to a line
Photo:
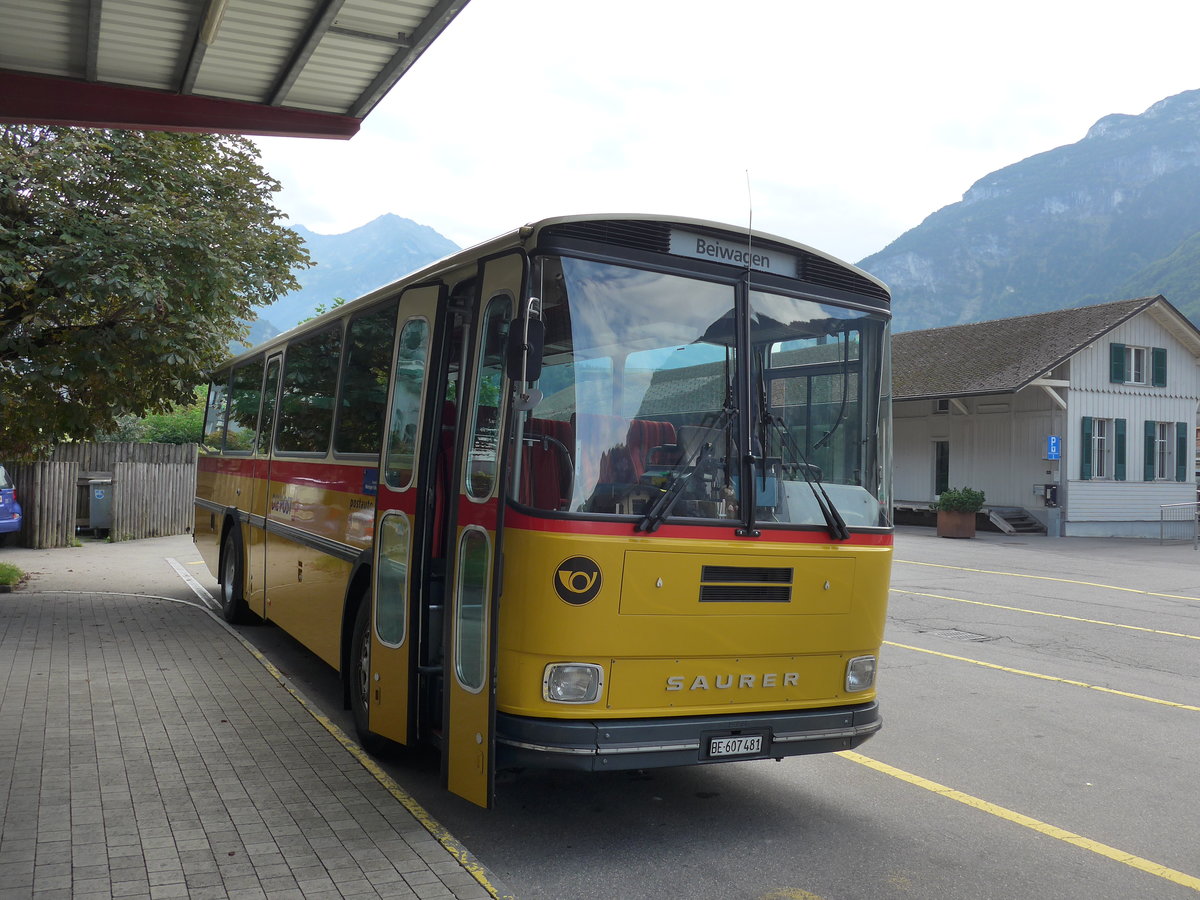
474	552
256	544
401	558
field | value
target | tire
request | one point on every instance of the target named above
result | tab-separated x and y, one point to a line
360	680
233	603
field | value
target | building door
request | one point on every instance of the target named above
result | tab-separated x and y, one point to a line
941	467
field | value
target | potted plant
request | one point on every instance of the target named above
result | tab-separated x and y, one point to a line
956	509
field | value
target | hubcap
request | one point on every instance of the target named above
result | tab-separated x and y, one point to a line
364	669
227	581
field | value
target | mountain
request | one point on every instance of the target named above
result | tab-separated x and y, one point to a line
1112	216
351	264
260	330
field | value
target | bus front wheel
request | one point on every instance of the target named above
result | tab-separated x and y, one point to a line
233	603
360	679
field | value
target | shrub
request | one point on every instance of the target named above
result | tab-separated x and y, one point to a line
959	500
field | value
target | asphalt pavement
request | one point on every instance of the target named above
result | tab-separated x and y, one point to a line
148	750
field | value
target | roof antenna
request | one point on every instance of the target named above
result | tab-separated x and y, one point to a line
749	222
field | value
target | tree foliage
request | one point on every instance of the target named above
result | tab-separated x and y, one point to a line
182	424
128	261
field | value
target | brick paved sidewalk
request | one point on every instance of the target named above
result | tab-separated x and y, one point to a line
146	753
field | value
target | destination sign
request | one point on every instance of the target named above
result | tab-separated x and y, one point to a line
734	253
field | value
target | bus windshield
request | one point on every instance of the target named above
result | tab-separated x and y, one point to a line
642	403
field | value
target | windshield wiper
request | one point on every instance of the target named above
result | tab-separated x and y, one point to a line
812	476
666	500
682	474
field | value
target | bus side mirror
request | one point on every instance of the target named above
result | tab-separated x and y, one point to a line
526	338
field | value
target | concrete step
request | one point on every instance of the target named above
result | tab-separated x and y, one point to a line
1014	520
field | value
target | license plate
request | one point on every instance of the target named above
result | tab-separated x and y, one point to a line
742	745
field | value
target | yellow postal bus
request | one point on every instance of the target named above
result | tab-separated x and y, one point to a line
606	492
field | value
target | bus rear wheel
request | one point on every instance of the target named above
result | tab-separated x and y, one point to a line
233	603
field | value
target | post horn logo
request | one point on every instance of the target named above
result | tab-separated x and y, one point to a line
577	580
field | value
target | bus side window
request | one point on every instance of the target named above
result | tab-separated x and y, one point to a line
408	377
266	423
485	443
364	384
214	413
309	383
245	396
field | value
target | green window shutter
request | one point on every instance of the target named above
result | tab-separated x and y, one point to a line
1116	363
1119	451
1158	369
1183	457
1148	453
1085	450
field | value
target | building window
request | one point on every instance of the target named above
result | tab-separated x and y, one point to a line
1161	448
1166	453
1101	435
1103	449
941	407
1164	466
1137	365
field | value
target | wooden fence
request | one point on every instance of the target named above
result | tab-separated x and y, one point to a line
46	491
153	499
153	487
104	457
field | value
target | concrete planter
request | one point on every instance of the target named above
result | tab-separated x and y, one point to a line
955	524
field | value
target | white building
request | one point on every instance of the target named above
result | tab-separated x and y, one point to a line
1086	419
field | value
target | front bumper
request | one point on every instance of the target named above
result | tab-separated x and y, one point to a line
615	744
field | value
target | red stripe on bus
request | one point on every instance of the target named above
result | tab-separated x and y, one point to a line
475	513
345	477
514	518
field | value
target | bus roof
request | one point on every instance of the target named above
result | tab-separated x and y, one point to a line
527	236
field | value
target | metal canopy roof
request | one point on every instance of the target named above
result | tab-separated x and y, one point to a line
307	68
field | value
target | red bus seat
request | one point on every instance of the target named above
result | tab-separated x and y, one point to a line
443	477
652	442
547	458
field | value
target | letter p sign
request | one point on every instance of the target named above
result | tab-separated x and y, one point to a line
577	580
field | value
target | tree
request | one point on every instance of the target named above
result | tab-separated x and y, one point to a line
183	424
128	261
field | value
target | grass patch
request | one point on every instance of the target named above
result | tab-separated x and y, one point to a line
10	575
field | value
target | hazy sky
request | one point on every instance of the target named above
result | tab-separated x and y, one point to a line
854	119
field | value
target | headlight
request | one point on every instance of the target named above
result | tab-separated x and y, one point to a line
572	683
860	674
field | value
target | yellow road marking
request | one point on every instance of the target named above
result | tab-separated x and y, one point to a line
1038	612
790	894
1128	859
1111	587
1082	684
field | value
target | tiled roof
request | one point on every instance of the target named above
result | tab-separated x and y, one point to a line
1001	356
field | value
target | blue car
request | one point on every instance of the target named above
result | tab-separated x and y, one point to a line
10	509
